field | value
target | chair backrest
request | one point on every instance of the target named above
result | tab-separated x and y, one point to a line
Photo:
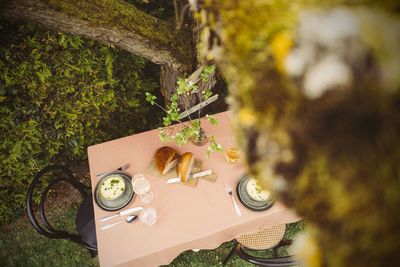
263	240
62	174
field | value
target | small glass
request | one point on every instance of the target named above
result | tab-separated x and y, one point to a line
148	216
232	155
141	186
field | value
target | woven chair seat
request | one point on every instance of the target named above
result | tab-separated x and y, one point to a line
264	239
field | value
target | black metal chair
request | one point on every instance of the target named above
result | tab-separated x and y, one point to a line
85	225
267	239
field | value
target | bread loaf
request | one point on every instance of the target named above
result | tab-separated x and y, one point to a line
185	165
165	159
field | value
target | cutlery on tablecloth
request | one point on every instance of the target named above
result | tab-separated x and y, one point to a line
122	213
122	168
228	189
130	219
195	175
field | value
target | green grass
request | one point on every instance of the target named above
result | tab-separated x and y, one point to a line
21	245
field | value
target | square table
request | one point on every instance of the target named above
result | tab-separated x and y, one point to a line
202	217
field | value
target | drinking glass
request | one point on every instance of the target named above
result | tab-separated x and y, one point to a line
141	186
232	155
148	216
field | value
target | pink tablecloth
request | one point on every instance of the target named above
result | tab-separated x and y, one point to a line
202	217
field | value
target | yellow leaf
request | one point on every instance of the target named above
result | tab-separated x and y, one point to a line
280	45
247	117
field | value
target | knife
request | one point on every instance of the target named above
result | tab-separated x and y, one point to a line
195	175
122	213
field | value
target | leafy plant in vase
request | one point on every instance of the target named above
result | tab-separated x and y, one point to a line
191	129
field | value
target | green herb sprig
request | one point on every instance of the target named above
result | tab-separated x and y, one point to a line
191	129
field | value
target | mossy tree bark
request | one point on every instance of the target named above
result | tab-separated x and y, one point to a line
114	23
333	157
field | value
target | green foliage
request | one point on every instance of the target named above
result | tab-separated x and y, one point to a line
162	9
207	71
212	120
59	94
191	129
150	98
213	146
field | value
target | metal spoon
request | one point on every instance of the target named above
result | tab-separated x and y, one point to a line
122	168
130	219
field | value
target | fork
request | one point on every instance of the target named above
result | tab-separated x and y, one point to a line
122	168
228	189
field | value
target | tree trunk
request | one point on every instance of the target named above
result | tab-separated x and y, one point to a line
168	78
113	23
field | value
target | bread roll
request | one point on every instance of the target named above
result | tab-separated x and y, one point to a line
185	165
165	159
